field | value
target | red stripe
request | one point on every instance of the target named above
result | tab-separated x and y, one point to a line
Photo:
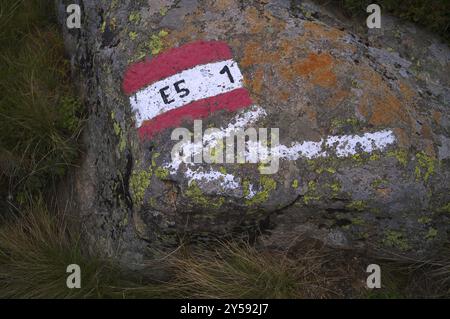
230	101
173	61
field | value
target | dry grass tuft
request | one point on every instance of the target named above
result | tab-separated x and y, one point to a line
35	249
40	115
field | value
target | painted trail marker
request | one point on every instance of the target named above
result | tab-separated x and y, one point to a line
191	81
339	146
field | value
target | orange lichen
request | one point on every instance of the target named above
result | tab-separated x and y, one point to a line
258	22
320	30
437	117
254	54
407	92
388	110
318	69
429	148
172	198
426	131
311	114
187	34
257	82
383	192
287	46
222	5
403	139
284	95
286	72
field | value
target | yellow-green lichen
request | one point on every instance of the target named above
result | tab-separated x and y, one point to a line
262	167
138	56
139	182
432	233
103	26
330	170
357	205
295	183
335	187
154	157
195	193
163	11
378	182
425	167
246	188
311	194
117	129
321	165
444	209
401	155
308	198
122	143
363	235
132	35
123	222
396	239
114	4
134	17
162	173
156	42
342	123
306	12
113	23
267	185
152	202
357	158
119	134
358	221
375	157
424	220
223	170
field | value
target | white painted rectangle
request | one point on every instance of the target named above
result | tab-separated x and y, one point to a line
202	81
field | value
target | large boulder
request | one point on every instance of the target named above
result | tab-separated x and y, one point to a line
364	138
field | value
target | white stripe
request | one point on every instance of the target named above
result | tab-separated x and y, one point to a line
241	120
202	81
339	146
227	181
